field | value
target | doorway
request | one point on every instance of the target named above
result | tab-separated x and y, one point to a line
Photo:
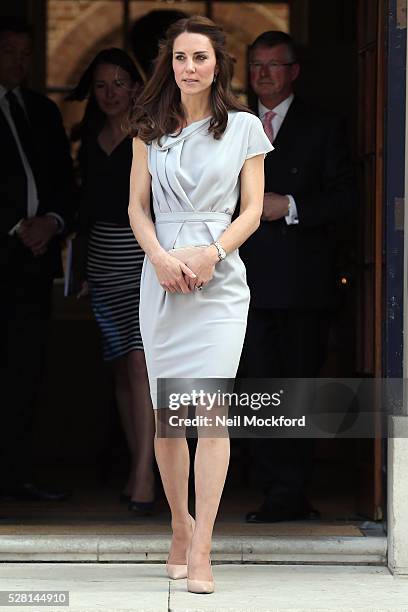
342	70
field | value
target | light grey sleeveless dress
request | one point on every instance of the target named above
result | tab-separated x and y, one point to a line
196	186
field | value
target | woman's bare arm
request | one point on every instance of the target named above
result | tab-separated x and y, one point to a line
252	195
139	202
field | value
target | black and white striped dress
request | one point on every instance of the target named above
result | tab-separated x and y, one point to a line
114	259
114	267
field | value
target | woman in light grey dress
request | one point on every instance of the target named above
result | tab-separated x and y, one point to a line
199	151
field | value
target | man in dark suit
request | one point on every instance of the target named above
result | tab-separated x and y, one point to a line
36	185
308	187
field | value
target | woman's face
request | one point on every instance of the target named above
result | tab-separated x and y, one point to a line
194	63
113	89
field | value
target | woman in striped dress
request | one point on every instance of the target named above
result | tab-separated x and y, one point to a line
114	258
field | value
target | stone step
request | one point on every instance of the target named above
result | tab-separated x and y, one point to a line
237	549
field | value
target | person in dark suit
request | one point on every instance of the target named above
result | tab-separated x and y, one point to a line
36	185
309	187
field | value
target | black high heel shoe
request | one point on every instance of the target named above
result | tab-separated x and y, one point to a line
141	508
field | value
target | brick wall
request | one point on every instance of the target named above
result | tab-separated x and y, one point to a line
78	29
62	15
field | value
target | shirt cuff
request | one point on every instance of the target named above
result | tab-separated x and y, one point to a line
15	228
60	221
292	217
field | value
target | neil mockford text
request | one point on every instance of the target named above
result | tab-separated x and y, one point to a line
236	421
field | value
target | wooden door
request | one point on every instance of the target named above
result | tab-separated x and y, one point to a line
370	141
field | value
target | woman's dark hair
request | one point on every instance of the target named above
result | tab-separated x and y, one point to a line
158	110
93	119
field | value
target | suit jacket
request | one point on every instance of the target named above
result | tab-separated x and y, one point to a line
291	266
54	176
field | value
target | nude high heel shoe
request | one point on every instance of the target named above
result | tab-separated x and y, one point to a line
177	571
200	586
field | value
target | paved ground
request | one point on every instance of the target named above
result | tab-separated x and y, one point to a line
239	588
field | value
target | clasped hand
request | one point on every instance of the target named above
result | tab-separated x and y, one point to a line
275	206
35	233
184	270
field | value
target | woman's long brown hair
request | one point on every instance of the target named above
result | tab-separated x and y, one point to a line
158	110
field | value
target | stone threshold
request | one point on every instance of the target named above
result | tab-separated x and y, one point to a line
345	550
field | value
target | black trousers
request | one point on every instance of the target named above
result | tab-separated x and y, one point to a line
287	344
26	286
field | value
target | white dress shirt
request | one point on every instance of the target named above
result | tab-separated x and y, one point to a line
32	194
281	110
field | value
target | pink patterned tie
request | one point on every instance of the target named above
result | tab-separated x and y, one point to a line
267	124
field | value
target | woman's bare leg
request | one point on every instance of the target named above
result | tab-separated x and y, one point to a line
124	402
143	428
135	409
173	459
210	471
210	468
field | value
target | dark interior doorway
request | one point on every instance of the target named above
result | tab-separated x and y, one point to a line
89	453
